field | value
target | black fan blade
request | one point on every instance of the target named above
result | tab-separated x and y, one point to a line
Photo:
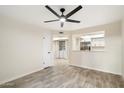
74	21
74	11
51	21
62	24
50	9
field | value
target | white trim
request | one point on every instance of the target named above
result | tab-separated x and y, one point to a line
13	78
96	69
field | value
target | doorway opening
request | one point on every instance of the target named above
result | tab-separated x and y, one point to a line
61	50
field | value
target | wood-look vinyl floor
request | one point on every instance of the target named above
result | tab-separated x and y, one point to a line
67	77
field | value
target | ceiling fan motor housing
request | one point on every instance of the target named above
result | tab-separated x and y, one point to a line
62	10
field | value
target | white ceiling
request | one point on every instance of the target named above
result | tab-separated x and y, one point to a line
89	15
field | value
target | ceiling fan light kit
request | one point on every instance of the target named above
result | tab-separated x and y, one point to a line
63	18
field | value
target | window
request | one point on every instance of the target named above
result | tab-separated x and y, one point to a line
61	45
89	42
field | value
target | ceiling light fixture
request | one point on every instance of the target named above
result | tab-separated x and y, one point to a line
62	19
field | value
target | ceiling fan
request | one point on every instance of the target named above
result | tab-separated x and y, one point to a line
63	18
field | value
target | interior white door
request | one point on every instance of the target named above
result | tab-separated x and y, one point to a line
47	50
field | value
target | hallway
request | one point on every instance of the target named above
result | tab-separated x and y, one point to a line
61	62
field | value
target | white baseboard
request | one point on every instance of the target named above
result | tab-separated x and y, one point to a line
13	78
96	69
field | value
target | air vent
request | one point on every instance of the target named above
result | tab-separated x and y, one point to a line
61	32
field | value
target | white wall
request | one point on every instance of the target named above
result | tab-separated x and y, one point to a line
108	61
20	49
123	47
